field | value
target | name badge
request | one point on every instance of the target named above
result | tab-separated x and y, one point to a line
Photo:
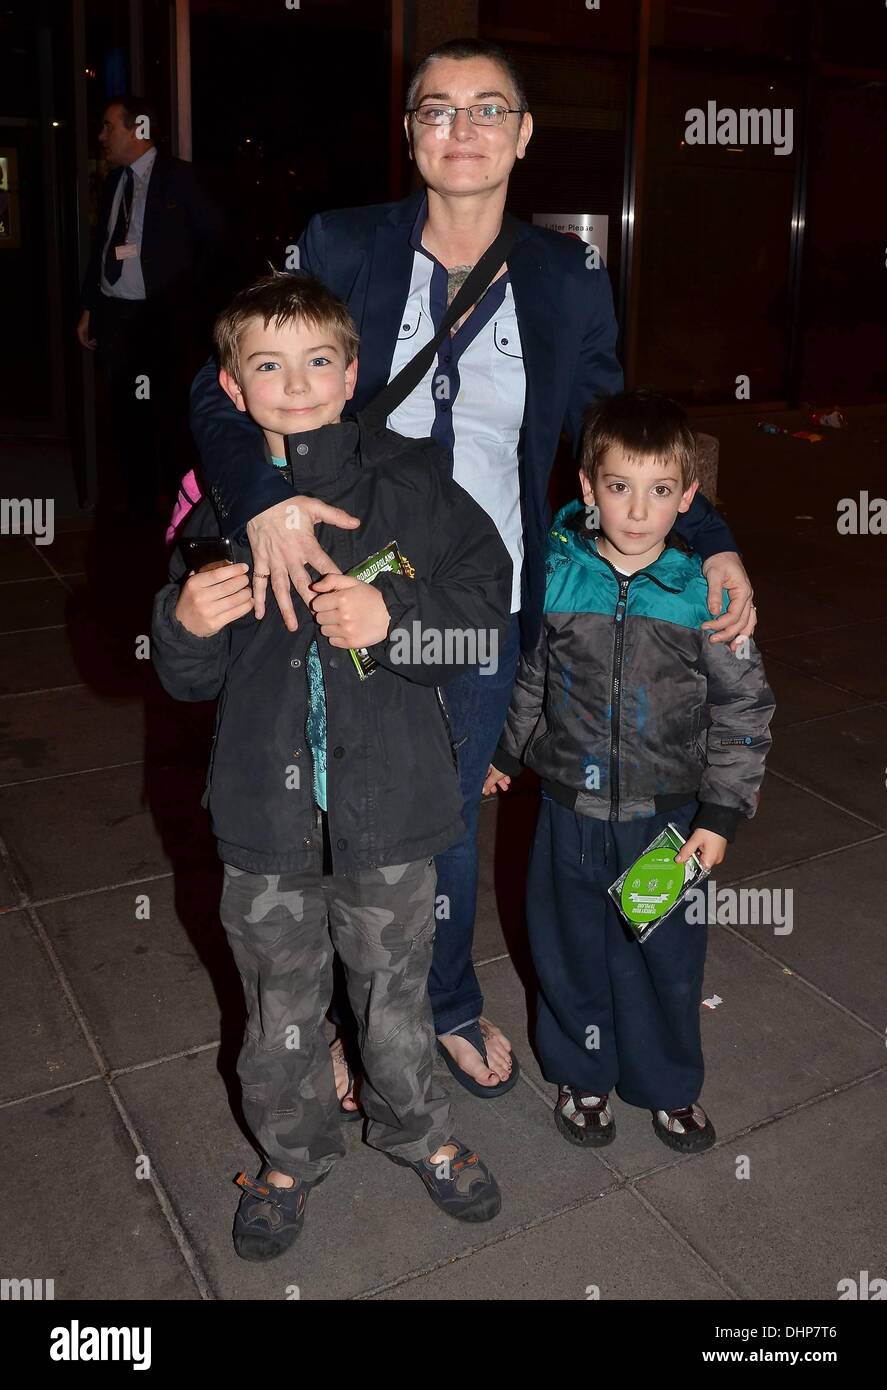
126	251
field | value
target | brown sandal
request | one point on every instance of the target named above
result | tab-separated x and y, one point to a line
687	1129
584	1117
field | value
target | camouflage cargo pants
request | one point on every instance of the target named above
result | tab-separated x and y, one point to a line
283	930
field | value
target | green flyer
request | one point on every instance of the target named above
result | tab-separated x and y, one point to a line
387	560
655	885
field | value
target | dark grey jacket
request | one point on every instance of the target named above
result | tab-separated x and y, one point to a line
625	708
392	785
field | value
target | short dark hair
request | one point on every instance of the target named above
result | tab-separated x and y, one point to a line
645	424
470	48
281	298
133	107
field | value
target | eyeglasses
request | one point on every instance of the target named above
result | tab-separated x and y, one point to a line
486	113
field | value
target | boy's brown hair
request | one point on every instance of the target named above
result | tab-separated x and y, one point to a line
282	298
645	424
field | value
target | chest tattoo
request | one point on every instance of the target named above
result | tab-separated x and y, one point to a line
456	279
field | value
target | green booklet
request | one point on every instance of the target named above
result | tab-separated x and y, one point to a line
654	885
389	559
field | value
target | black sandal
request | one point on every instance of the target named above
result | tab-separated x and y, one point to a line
471	1032
584	1117
347	1115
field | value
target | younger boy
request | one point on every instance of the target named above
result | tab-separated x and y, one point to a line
609	710
329	794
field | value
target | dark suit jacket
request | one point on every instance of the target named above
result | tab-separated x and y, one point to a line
182	237
568	335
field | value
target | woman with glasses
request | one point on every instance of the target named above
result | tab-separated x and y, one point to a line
526	361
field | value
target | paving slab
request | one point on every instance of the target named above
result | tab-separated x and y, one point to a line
854	658
788	547
83	651
41	1044
786	611
801	696
370	1222
36	661
789	824
807	601
772	1043
841	757
67	731
63	731
808	1215
609	1248
488	937
11	895
70	551
19	559
32	603
150	986
95	1229
839	935
92	829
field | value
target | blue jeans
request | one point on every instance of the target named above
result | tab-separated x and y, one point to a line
478	705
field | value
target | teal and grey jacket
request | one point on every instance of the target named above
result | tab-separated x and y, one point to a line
624	707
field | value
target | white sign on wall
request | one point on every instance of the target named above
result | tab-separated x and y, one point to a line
585	226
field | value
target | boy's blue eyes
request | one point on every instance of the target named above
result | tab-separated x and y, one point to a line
315	361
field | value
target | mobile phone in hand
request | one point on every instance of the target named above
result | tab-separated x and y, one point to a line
206	552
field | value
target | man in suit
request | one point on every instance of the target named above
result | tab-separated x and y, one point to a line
532	355
157	231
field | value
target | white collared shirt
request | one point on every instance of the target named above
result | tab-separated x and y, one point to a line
131	284
481	418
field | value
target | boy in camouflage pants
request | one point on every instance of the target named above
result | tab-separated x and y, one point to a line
341	859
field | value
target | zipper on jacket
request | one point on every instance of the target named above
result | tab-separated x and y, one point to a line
623	580
616	690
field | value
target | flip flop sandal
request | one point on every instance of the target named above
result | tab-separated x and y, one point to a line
462	1186
348	1115
687	1129
584	1118
269	1218
472	1033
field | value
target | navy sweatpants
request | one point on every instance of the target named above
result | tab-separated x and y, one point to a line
643	1000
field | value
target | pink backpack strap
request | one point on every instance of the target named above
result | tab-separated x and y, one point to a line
189	496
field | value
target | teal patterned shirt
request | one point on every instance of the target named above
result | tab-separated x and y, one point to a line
315	724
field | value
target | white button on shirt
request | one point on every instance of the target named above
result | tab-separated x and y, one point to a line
486	414
131	284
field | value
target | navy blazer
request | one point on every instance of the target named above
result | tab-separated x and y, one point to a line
183	233
568	336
